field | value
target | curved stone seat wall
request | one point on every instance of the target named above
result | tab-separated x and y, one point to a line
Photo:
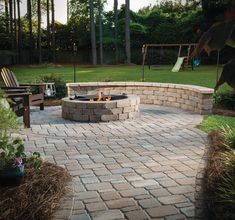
188	97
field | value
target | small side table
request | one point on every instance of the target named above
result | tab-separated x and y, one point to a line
50	90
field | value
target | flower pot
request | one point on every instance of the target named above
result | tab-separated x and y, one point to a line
12	176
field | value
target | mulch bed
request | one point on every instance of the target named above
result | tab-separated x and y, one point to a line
38	196
218	110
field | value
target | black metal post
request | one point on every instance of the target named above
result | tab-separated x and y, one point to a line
74	63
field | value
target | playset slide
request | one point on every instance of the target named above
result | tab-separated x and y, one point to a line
178	64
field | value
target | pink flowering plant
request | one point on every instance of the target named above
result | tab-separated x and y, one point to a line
12	151
12	154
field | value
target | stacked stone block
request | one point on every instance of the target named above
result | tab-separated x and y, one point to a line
188	97
94	111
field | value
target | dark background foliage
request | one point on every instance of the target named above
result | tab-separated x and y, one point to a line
167	22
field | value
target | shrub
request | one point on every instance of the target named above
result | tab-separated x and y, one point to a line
59	84
8	119
226	100
13	154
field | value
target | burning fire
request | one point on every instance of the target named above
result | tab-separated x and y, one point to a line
101	98
108	98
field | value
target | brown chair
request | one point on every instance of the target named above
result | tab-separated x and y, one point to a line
20	104
11	83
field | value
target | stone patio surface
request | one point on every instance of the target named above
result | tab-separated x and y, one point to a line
136	169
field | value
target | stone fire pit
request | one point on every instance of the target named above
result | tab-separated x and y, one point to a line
95	111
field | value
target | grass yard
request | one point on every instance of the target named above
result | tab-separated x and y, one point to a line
215	122
203	75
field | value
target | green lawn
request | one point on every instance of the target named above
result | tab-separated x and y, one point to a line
203	76
215	122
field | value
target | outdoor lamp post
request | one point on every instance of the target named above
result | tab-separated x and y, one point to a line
74	64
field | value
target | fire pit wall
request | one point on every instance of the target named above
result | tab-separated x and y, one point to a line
192	98
96	111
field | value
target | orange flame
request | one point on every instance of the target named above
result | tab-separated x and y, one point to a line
108	98
99	96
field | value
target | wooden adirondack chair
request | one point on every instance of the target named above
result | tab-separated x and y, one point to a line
11	83
20	104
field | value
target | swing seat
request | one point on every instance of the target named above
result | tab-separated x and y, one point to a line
155	66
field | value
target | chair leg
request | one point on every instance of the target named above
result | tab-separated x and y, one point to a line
42	106
26	116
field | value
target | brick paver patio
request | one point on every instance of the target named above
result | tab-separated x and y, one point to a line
135	169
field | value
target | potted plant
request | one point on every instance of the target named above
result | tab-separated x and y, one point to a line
12	153
13	160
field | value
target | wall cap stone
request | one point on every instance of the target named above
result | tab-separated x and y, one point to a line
200	89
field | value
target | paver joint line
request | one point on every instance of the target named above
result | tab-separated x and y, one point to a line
143	168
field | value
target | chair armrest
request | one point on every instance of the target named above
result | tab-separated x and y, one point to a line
10	91
41	86
14	95
31	84
14	90
15	87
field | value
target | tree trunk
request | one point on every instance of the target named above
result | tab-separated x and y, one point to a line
39	33
29	16
68	11
15	35
11	23
11	28
7	16
100	31
93	36
48	30
53	29
115	30
19	32
127	32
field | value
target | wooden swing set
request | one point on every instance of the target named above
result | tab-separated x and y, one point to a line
186	59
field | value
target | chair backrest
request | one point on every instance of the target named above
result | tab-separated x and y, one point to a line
9	78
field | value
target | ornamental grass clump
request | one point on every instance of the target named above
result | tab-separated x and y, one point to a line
228	134
220	176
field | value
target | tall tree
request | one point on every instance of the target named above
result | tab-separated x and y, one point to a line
39	32
100	30
68	13
214	9
93	35
15	25
127	32
48	27
53	29
19	39
29	17
116	29
7	16
11	23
